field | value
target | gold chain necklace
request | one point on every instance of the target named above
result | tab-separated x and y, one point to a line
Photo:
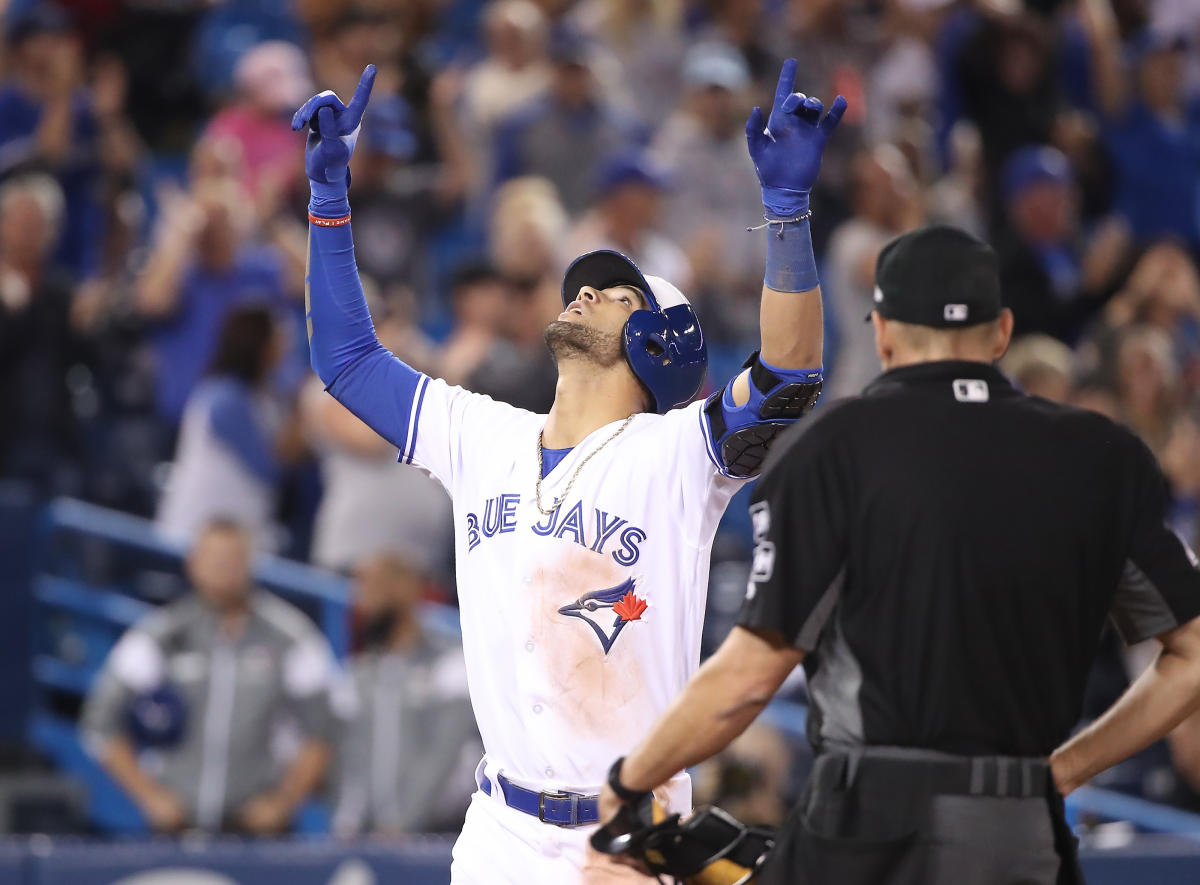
567	491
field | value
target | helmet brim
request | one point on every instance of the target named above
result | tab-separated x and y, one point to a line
602	269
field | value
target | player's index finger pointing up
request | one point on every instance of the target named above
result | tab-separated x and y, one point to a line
358	104
787	78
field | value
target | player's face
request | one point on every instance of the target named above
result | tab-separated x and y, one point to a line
590	328
605	310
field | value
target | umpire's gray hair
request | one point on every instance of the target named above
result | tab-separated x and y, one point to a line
44	191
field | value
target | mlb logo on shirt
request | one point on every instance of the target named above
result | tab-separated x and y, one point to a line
955	313
970	390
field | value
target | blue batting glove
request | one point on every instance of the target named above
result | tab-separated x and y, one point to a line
787	151
332	132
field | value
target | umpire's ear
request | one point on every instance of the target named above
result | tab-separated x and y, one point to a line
883	341
1004	330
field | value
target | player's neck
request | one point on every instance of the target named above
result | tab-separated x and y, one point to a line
586	399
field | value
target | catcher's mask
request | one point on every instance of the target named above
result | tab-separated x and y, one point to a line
710	847
663	345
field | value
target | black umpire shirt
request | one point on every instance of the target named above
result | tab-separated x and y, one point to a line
945	549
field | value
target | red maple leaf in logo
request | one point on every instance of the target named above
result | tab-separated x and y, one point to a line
629	607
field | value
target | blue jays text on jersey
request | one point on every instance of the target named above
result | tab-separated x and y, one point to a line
599	531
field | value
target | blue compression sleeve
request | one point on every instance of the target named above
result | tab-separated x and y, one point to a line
791	266
359	371
232	421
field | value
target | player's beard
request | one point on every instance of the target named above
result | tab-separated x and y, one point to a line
569	341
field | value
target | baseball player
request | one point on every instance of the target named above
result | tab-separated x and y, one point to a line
582	536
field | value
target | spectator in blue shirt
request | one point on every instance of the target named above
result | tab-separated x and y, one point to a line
48	124
1054	273
204	264
1151	126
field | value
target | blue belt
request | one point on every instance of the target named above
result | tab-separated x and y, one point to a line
560	809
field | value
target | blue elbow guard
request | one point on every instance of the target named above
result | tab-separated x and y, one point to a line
742	435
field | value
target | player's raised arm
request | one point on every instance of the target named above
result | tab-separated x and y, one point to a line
786	151
783	380
359	371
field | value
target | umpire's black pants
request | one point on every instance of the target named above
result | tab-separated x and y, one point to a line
894	816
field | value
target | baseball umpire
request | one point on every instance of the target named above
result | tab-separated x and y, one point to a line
940	553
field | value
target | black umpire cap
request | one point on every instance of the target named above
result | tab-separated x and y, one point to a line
938	276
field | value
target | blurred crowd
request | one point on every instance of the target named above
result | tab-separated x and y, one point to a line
152	235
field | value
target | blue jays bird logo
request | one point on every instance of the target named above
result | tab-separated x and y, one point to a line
619	599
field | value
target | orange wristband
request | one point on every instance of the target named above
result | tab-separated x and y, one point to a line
328	222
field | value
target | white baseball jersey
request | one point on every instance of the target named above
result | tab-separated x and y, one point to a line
578	628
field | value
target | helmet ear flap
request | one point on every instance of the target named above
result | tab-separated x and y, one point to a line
666	351
655	345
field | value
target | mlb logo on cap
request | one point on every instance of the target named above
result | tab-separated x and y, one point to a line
955	313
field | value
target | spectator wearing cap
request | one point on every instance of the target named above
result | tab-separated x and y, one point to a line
410	736
713	200
272	80
48	123
566	132
187	709
624	216
1150	125
1053	273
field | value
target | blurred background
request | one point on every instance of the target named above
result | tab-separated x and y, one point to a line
164	445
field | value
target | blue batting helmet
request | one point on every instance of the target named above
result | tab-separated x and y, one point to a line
663	345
